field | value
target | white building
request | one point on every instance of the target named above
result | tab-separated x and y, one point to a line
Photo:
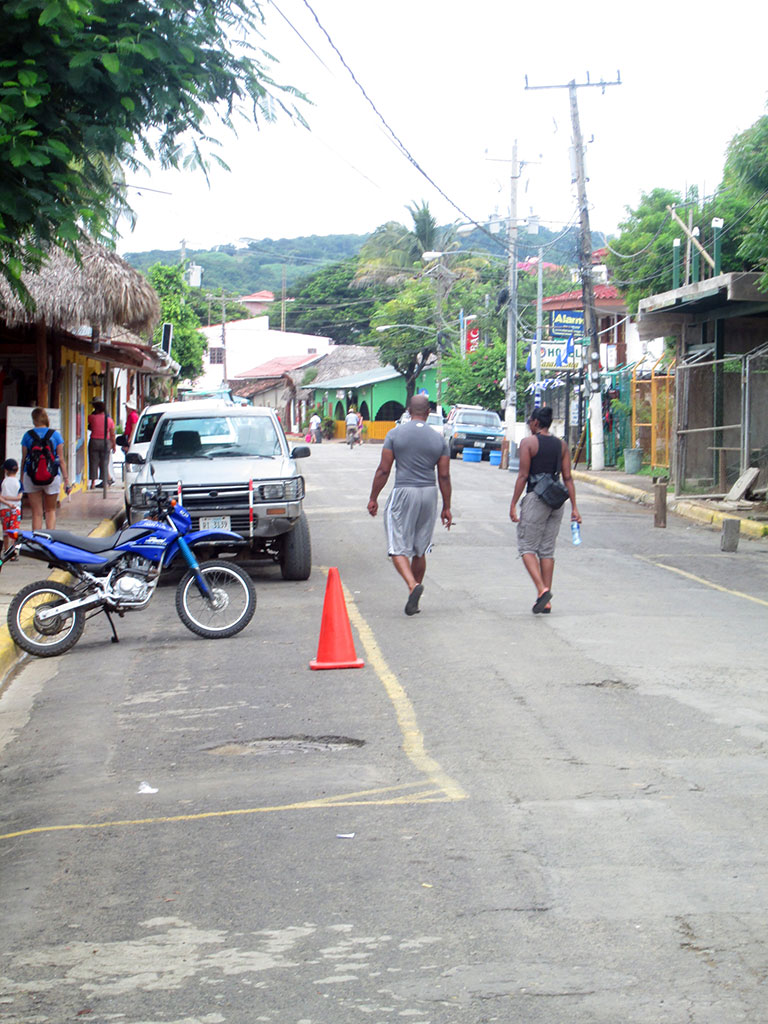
235	347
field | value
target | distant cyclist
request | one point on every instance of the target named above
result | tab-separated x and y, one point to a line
353	431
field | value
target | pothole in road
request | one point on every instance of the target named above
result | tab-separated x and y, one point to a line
286	745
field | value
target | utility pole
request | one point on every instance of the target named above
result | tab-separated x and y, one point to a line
597	442
510	408
539	324
283	301
224	335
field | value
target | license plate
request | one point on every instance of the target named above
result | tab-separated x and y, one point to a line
215	523
479	444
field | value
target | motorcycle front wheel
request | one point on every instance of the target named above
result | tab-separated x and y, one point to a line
55	635
230	606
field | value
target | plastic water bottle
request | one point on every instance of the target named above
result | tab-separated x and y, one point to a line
575	532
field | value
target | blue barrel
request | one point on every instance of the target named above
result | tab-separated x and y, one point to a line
471	455
495	458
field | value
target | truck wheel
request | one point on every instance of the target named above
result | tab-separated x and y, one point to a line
296	552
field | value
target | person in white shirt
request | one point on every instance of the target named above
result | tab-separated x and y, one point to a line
10	502
316	428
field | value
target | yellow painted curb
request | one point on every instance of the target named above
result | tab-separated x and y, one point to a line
698	513
695	512
615	486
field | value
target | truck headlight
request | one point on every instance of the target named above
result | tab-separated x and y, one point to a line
272	492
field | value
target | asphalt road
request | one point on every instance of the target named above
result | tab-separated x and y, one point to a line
502	817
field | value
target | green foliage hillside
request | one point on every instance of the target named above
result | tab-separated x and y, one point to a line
258	266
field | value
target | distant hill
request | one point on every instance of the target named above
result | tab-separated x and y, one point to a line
259	266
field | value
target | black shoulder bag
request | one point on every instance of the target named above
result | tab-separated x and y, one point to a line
549	488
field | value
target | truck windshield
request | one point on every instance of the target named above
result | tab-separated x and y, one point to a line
213	437
479	419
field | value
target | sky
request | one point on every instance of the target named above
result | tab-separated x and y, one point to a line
449	81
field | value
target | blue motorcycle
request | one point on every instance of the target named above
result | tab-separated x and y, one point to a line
214	598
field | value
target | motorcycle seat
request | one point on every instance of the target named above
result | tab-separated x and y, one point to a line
96	545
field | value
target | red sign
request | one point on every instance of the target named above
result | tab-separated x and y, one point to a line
473	334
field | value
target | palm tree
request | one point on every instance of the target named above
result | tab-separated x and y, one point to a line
393	252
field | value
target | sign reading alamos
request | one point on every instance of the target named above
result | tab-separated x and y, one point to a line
565	322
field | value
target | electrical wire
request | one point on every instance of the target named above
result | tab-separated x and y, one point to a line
400	145
301	37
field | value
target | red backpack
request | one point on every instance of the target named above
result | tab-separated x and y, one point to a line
42	467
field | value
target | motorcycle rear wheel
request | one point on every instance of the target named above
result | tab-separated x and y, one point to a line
55	635
231	607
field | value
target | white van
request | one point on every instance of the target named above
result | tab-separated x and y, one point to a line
145	430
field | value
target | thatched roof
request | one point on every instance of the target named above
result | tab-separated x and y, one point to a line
99	292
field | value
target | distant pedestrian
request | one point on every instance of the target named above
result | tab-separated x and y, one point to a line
316	428
411	510
42	459
539	522
351	424
101	445
131	419
360	424
10	502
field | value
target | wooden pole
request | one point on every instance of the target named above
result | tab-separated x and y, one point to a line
660	505
41	354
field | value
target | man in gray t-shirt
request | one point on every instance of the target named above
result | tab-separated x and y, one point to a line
409	517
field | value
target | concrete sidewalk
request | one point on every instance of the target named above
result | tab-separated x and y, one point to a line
639	488
86	513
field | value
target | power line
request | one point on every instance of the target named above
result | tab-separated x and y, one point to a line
399	143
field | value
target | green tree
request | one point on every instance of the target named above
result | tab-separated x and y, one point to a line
640	259
476	379
411	336
189	343
746	174
326	304
393	252
89	84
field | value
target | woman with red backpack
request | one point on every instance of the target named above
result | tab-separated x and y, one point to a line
44	469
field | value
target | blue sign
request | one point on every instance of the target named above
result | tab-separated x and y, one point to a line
565	322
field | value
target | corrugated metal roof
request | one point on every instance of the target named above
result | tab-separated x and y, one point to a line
356	380
277	366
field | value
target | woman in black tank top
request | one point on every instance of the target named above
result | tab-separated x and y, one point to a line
538	523
546	458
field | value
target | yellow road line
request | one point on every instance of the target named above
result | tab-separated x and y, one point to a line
413	740
442	788
342	800
706	583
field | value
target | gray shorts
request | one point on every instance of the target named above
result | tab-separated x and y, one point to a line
538	527
409	520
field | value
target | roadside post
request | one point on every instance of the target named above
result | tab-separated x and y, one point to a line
660	502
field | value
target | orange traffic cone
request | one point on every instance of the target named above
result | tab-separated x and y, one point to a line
336	648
